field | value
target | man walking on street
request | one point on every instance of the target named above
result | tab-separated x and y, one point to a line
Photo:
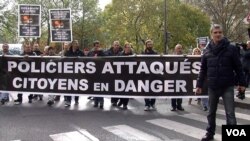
219	62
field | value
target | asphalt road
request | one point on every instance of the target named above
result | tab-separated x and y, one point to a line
38	122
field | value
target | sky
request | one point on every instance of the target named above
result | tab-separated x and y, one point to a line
103	3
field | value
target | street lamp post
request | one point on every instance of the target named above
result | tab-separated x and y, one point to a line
165	28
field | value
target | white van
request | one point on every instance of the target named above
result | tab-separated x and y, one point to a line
15	49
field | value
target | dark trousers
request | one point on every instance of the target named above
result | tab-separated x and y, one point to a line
114	100
98	100
68	98
176	103
20	97
124	101
247	76
227	95
149	102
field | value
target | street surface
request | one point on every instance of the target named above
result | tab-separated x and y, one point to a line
39	122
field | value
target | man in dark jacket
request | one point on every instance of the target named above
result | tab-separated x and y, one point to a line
149	103
114	51
95	53
73	51
219	62
27	51
126	52
246	63
4	97
36	49
176	103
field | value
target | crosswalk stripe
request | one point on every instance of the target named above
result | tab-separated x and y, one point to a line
238	115
81	135
181	128
131	134
202	118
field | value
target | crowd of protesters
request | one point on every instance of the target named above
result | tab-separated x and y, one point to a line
73	50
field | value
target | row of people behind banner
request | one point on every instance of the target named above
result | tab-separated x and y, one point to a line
116	50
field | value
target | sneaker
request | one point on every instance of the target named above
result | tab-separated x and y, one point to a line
147	108
35	97
2	101
76	103
173	109
57	98
119	104
124	108
50	102
153	108
90	98
207	137
40	98
205	108
17	102
180	108
67	104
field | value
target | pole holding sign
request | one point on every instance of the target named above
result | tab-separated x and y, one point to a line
29	20
60	25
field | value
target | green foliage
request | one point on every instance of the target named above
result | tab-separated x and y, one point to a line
132	21
138	20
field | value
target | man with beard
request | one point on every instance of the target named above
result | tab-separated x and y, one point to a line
149	102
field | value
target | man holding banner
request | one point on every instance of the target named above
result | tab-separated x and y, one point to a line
149	103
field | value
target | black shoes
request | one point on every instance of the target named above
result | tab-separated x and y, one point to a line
50	103
178	108
207	137
18	102
205	108
173	109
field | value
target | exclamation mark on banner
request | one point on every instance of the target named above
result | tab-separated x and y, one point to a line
194	85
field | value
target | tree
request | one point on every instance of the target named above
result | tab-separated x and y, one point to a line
137	20
229	13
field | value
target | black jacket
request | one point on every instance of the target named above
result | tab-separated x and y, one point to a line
246	60
146	51
219	64
76	53
111	52
97	53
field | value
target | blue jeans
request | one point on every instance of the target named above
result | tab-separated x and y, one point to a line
227	95
4	96
204	102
